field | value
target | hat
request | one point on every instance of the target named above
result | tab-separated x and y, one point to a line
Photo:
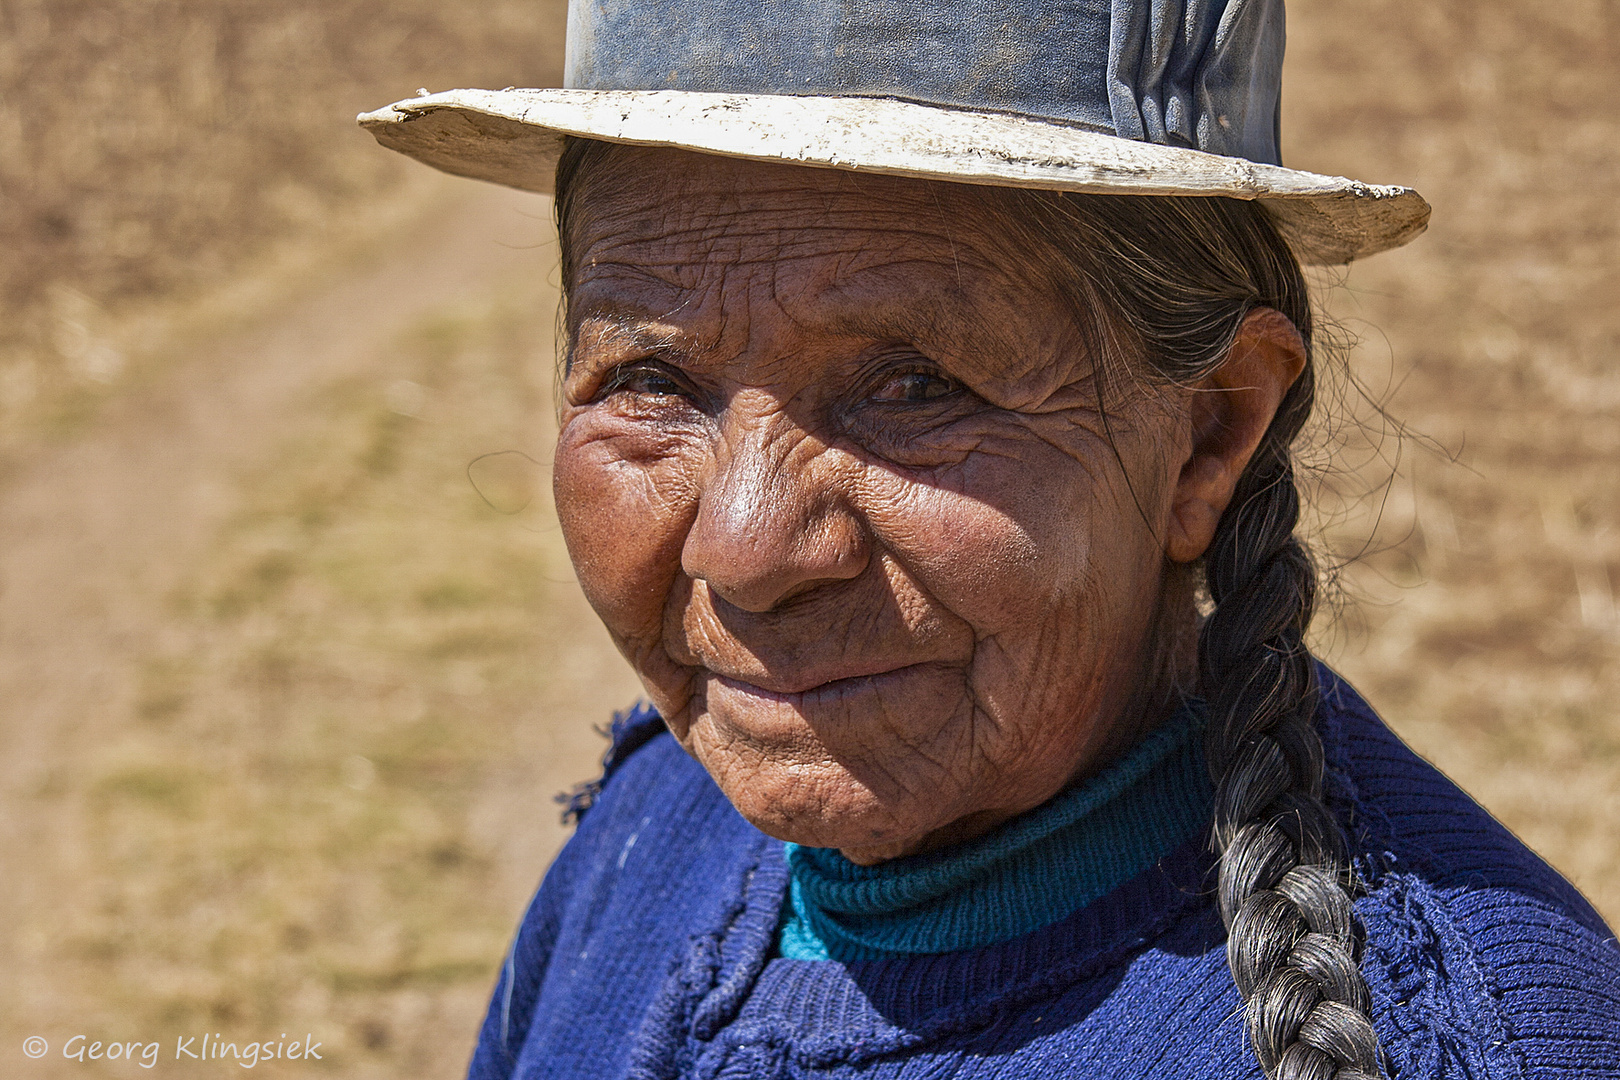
1131	97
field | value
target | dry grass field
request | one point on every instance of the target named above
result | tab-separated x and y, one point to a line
1483	618
153	147
289	670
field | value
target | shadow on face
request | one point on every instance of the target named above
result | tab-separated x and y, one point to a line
834	473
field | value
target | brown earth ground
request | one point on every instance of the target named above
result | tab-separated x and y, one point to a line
284	696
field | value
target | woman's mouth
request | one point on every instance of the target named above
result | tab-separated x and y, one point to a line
791	689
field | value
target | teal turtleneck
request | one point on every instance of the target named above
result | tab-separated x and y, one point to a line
1032	871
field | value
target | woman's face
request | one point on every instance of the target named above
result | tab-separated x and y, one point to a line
833	471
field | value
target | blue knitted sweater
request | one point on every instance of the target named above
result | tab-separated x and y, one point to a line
647	952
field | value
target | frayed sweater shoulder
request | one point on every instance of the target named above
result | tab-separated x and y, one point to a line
647	952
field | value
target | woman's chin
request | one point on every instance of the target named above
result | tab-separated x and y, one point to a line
850	777
818	807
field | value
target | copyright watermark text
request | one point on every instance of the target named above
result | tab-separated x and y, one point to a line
209	1046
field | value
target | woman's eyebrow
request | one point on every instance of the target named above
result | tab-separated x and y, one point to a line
632	333
613	326
897	321
613	332
937	329
917	313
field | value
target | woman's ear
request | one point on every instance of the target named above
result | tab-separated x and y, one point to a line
1231	409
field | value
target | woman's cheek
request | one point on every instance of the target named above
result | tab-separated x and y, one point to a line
623	502
967	548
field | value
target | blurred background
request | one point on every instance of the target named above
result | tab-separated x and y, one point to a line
291	658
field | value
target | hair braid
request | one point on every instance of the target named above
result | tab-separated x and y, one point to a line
1291	943
1179	276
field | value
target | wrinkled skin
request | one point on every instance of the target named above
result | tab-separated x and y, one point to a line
833	472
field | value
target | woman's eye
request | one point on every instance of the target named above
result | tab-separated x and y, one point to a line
916	386
643	380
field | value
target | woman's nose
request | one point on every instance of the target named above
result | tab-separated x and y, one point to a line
773	521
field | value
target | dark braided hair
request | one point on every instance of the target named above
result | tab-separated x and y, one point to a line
1171	281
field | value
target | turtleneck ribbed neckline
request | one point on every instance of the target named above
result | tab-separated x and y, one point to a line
1028	873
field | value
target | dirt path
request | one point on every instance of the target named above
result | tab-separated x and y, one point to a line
96	533
93	533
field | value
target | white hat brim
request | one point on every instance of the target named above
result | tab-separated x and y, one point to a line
514	137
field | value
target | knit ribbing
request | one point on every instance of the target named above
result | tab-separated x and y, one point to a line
1038	868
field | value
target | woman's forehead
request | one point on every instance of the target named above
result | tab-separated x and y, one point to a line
768	272
678	217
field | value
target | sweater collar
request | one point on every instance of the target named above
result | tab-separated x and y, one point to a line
1030	872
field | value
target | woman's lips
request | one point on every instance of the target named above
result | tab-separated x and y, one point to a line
843	718
786	690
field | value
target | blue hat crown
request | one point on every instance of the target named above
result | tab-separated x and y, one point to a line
1204	74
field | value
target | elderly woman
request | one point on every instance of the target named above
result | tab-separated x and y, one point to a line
931	380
